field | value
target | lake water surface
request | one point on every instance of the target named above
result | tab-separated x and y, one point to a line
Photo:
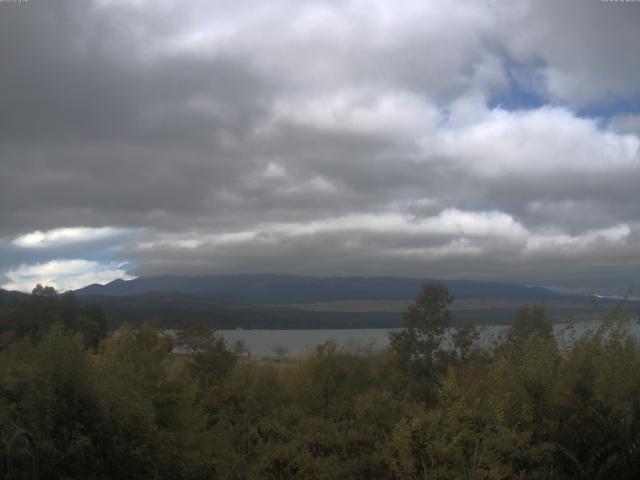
263	343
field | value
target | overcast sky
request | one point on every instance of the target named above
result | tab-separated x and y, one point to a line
470	139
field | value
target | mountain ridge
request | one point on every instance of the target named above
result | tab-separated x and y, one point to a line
294	301
295	289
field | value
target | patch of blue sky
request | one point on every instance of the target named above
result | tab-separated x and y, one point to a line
614	108
526	89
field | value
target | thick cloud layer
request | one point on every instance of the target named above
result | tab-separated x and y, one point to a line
475	139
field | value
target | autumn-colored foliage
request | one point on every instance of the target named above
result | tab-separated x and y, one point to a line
526	405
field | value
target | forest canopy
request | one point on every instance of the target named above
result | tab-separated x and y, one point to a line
525	404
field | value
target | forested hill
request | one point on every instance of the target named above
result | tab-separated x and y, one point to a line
527	404
8	296
172	309
279	301
288	289
285	301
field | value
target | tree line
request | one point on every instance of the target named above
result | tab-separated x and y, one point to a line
525	404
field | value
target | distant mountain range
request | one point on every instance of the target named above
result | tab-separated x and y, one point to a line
8	296
287	301
289	289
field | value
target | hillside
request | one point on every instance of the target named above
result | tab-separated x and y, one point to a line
171	309
282	301
293	302
290	289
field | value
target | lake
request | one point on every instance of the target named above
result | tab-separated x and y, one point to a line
262	343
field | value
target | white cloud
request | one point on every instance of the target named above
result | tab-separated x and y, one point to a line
457	248
537	142
565	244
64	236
264	135
584	50
193	240
450	243
63	274
365	111
626	123
274	170
448	223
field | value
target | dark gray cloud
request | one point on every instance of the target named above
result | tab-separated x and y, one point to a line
321	138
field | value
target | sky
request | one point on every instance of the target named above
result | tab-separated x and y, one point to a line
485	140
